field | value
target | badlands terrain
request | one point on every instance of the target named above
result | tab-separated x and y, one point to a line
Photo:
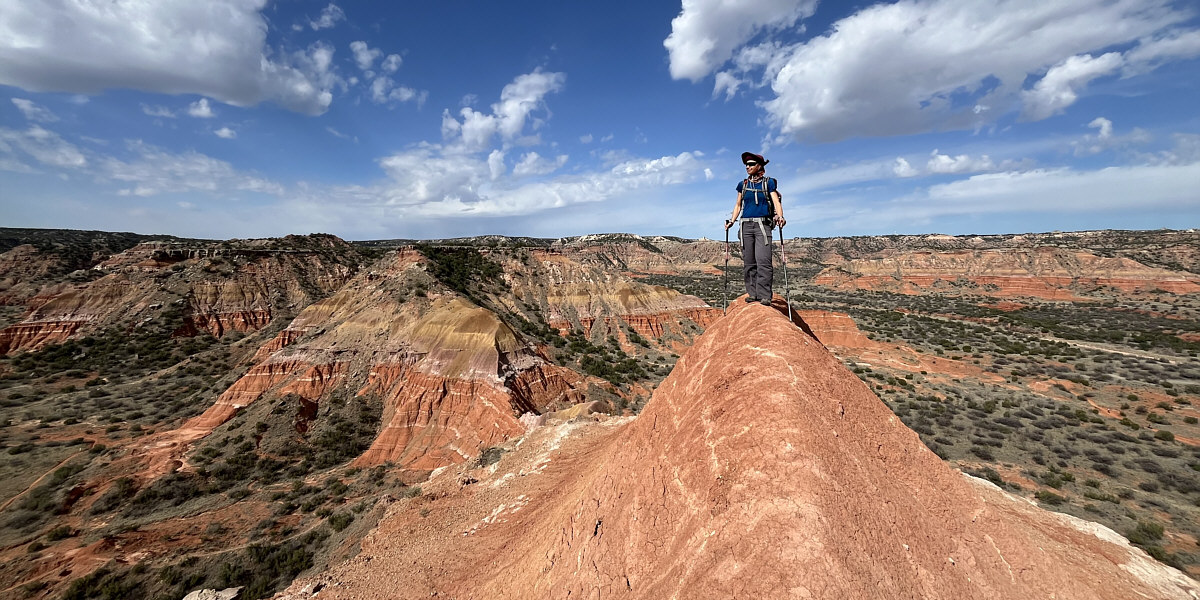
520	417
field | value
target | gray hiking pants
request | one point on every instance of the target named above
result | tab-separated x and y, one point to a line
756	257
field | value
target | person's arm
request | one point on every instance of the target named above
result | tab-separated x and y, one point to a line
779	220
737	210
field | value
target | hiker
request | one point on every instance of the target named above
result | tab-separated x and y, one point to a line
759	211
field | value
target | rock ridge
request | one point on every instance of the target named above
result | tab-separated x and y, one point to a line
761	468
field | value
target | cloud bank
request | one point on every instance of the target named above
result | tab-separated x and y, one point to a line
922	65
215	48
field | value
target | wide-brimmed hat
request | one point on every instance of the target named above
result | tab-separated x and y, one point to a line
757	158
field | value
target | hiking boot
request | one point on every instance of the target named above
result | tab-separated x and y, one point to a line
749	299
766	301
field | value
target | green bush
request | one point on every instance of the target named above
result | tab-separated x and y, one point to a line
1050	497
1146	533
61	532
341	521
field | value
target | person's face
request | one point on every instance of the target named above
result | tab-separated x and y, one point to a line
753	168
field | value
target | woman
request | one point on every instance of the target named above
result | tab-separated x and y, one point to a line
759	211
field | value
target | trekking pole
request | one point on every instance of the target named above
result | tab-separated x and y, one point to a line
787	292
725	295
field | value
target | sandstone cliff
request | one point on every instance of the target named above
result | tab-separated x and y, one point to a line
762	468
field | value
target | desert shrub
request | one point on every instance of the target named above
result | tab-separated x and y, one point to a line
490	456
1146	532
1050	497
340	521
1094	495
1164	435
121	490
172	490
61	532
1146	464
104	584
267	567
23	519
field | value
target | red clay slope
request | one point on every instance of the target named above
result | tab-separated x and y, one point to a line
761	468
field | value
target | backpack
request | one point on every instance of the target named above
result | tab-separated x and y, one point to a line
770	205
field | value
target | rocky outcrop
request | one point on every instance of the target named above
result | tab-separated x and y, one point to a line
247	389
25	336
761	468
65	310
219	307
1052	273
453	378
21	270
461	389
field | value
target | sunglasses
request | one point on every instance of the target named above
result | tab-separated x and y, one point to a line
751	164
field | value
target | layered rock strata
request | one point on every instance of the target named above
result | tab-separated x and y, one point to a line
1052	273
216	299
580	297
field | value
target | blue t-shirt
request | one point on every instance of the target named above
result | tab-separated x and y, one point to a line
756	202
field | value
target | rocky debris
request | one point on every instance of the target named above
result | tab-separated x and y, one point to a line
208	594
761	468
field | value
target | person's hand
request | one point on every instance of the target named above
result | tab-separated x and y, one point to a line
728	224
780	221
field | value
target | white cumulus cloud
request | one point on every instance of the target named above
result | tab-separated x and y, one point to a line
42	145
153	171
215	48
158	111
706	32
226	133
384	90
201	109
1104	125
329	17
518	101
1060	87
392	63
942	163
364	56
920	65
496	164
532	163
903	169
34	111
1106	139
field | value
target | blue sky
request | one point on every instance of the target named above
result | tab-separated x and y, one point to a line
369	120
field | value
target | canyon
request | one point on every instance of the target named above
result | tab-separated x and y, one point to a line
205	408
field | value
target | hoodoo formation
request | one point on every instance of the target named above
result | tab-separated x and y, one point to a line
761	468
